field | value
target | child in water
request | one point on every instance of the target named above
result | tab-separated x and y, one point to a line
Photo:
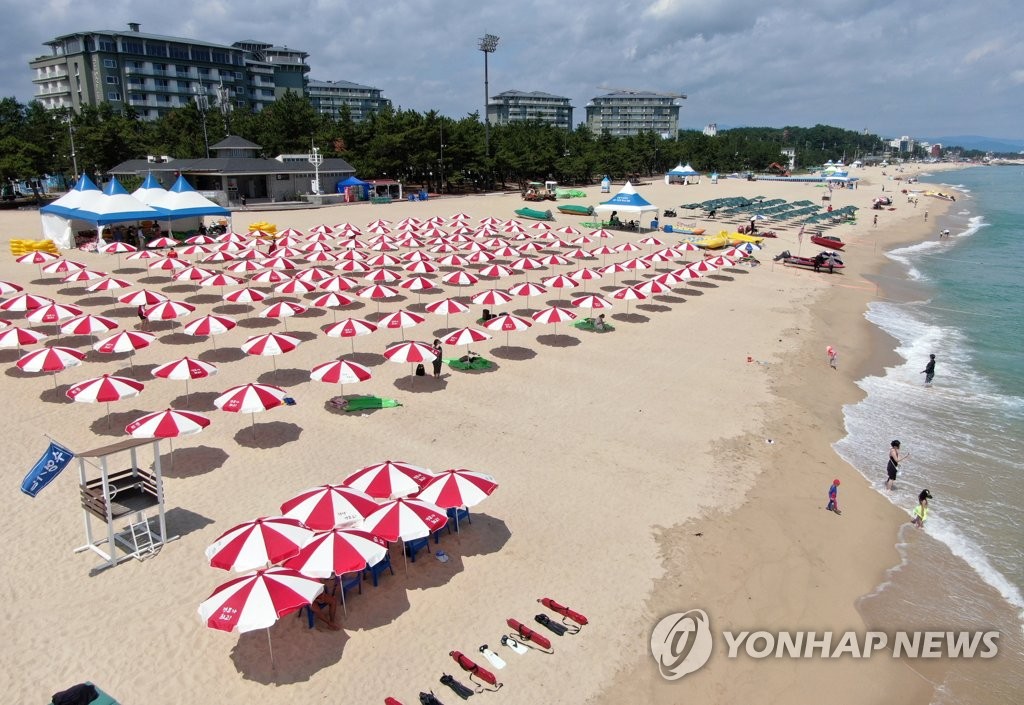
921	510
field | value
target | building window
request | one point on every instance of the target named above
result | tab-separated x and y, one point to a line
113	95
221	57
109	64
203	71
200	54
240	90
108	45
153	49
178	51
111	80
131	46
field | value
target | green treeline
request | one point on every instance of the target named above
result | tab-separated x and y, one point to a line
401	144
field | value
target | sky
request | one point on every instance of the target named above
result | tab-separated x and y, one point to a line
889	67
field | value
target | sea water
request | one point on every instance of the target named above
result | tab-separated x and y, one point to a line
964	433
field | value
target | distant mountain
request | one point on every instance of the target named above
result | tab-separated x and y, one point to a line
985	144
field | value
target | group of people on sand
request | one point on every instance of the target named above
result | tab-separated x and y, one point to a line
920	513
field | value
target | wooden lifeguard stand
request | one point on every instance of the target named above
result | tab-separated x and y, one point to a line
122	496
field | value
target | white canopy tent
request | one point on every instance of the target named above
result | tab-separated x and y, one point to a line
627	202
86	207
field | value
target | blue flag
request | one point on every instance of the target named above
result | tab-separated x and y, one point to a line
52	462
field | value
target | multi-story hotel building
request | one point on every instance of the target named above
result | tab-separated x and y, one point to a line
519	106
624	113
328	98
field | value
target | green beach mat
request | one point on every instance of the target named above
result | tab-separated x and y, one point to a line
369	402
479	363
586	324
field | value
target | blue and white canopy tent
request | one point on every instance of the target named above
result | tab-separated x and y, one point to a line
151	190
183	201
627	202
681	172
92	208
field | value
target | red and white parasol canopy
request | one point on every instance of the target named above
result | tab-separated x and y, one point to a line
527	289
283	309
62	266
16	337
270	344
88	325
460	278
258	543
258	600
492	297
465	336
457	488
210	325
220	279
295	286
507	323
83	275
166	310
392	478
377	291
118	248
331	300
36	257
245	296
410	351
349	328
109	284
170	423
329	506
51	359
338	551
405	519
401	319
250	398
125	341
340	372
446	307
142	297
591	302
52	313
185	368
104	389
554	314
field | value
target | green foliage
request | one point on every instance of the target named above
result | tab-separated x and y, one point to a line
438	152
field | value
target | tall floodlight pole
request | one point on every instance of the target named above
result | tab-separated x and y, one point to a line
71	134
488	44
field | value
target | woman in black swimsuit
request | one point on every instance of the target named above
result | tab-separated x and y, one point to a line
894	463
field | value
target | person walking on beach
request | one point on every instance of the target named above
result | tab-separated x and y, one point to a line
926	216
929	370
833	497
833	357
876	219
921	510
894	464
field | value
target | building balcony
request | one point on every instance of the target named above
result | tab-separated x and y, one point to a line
50	75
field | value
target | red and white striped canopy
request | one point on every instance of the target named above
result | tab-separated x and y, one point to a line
16	337
257	543
220	279
561	282
313	275
446	307
337	283
270	276
329	506
401	319
457	488
63	266
507	323
526	263
377	291
349	328
460	278
465	336
554	314
390	479
498	271
250	398
209	325
50	359
527	289
169	423
270	344
36	257
410	351
160	242
185	368
278	263
245	296
492	297
9	288
117	248
256	601
628	293
421	267
125	341
167	264
104	389
339	551
242	266
109	284
83	275
652	287
591	302
351	266
331	299
283	309
405	519
295	286
52	313
166	310
340	372
141	255
193	274
142	297
88	325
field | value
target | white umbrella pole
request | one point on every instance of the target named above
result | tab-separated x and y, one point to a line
253	415
405	559
186	391
341	585
270	645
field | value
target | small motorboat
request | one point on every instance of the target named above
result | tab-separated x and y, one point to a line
828	241
576	210
532	214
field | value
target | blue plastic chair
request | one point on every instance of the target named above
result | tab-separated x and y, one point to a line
414	546
378	568
459	515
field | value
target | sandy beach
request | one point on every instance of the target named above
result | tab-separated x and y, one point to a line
635	481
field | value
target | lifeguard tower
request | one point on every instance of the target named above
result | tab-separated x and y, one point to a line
124	500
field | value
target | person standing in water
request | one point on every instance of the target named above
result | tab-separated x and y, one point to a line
929	370
921	510
894	463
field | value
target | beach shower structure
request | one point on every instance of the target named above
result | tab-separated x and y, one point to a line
124	501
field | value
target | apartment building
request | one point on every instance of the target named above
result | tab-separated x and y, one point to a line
328	98
519	106
624	112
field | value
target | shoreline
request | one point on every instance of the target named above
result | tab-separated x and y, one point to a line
784	507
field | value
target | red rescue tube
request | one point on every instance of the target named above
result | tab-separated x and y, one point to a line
391	701
469	665
564	611
527	634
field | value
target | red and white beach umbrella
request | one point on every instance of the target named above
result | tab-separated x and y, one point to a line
9	288
295	286
339	551
270	276
492	297
313	275
220	279
51	359
16	337
270	344
337	283
209	325
170	423
329	507
187	369
405	519
245	296
167	264
591	302
466	336
497	271
36	258
561	282
554	315
508	323
204	250
652	287
417	284
410	352
388	480
340	372
158	243
720	261
401	319
63	266
250	398
460	278
193	274
701	266
527	289
350	328
455	488
352	267
139	255
332	300
167	310
243	266
142	297
258	600
127	341
627	294
104	390
53	313
83	275
283	310
279	263
88	325
258	543
421	267
109	284
377	291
